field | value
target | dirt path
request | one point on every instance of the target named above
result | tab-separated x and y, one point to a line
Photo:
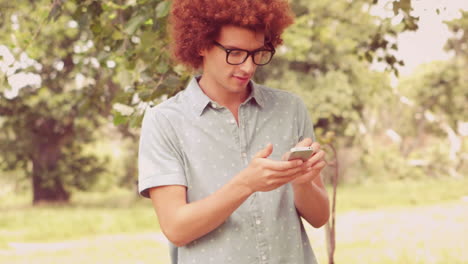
427	233
19	248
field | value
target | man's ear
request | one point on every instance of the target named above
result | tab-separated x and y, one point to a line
202	52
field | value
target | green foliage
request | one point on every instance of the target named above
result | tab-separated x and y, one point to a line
89	55
326	59
328	33
458	42
386	163
103	60
436	96
441	88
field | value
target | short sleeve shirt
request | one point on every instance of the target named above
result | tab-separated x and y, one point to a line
191	140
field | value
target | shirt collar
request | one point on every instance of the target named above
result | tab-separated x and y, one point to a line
200	100
256	94
198	97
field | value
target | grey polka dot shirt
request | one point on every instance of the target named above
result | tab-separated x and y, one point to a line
190	140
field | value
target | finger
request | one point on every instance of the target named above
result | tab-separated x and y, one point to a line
266	152
312	172
319	165
305	142
299	170
307	177
284	179
316	146
320	155
281	165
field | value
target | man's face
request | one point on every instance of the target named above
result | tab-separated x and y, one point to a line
231	78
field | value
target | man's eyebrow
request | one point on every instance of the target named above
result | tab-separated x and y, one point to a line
234	47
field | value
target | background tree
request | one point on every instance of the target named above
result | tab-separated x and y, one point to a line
327	59
87	54
102	58
437	94
46	124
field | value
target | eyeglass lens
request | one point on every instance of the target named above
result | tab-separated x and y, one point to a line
239	56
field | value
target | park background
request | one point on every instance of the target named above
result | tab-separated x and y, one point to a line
385	81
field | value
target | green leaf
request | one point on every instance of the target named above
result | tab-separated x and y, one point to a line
390	59
145	95
96	28
396	7
368	57
148	22
119	119
135	121
117	35
133	24
3	82
180	69
56	11
162	10
405	5
162	67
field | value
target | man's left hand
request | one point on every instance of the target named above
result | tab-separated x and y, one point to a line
313	166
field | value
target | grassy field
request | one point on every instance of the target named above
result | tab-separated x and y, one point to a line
399	222
418	234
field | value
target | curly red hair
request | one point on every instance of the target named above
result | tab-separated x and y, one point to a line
196	23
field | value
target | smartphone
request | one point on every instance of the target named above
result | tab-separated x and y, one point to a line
303	153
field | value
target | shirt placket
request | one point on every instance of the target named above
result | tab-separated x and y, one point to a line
242	137
256	219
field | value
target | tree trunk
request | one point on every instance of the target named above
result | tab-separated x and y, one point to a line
330	227
47	185
47	180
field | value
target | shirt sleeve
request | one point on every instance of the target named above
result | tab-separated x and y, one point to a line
160	160
306	128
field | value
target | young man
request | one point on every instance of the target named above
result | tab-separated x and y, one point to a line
210	157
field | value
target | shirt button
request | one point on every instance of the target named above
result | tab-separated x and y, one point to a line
232	121
263	257
244	154
258	222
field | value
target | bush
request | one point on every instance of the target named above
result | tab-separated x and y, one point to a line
387	163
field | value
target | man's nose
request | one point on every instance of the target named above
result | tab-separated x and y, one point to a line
248	66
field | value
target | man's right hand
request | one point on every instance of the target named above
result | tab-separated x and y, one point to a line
264	174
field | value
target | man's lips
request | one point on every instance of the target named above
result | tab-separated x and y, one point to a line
244	79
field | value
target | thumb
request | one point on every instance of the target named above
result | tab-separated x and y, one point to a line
264	153
306	142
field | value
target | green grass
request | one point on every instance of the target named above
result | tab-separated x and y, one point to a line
418	234
375	195
88	214
60	223
393	222
113	227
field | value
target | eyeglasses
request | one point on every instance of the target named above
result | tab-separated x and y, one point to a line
260	56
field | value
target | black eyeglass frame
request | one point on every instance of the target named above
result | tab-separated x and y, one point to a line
249	53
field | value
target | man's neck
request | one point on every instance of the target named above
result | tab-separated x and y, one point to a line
221	95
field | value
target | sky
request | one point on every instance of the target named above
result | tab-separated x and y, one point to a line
427	43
